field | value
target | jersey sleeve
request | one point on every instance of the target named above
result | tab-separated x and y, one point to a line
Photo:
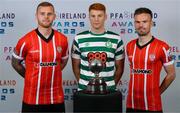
166	56
65	49
119	54
20	51
75	51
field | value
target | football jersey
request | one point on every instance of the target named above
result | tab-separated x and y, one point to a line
43	76
145	66
106	47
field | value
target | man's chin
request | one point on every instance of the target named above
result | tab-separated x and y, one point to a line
46	26
142	34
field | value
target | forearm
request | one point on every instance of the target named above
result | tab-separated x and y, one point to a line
119	64
64	63
77	74
166	82
117	76
76	68
19	68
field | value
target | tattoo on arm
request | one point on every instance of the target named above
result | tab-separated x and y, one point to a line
19	68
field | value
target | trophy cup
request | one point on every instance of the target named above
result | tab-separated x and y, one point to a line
96	85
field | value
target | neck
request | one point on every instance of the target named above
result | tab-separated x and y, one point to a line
144	39
46	32
98	31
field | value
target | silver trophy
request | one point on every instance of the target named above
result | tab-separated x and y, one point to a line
96	85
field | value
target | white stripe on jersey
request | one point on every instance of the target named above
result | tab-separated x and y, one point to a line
166	54
120	48
87	73
75	56
96	44
84	82
106	74
65	57
101	74
110	83
112	36
20	54
84	36
17	57
67	54
40	68
120	57
22	47
145	77
54	60
133	77
168	63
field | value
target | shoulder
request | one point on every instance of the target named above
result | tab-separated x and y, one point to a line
28	36
161	43
82	35
132	42
112	33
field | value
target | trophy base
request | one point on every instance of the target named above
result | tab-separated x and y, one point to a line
96	92
96	86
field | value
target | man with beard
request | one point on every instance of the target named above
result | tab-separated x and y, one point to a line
45	52
147	55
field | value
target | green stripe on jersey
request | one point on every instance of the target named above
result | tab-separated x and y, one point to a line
107	69
97	39
88	78
85	49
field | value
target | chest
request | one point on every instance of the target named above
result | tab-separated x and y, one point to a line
141	56
40	50
99	48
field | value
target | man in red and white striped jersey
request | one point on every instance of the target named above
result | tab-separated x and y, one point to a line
147	55
45	52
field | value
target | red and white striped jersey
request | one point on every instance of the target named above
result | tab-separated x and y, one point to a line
43	76
145	66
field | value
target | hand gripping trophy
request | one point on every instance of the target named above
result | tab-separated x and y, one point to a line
96	85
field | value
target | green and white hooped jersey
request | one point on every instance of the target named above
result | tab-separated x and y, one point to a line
107	47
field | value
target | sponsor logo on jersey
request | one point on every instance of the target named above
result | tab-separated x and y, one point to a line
59	49
141	71
108	44
48	64
152	57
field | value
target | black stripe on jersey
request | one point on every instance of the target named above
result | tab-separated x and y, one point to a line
140	47
42	37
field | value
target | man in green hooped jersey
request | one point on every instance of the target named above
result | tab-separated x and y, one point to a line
98	43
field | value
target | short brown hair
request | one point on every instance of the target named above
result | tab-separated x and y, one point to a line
45	4
97	6
143	10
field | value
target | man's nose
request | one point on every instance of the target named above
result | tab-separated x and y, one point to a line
46	15
96	18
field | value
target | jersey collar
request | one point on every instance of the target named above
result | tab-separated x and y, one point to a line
140	47
42	37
